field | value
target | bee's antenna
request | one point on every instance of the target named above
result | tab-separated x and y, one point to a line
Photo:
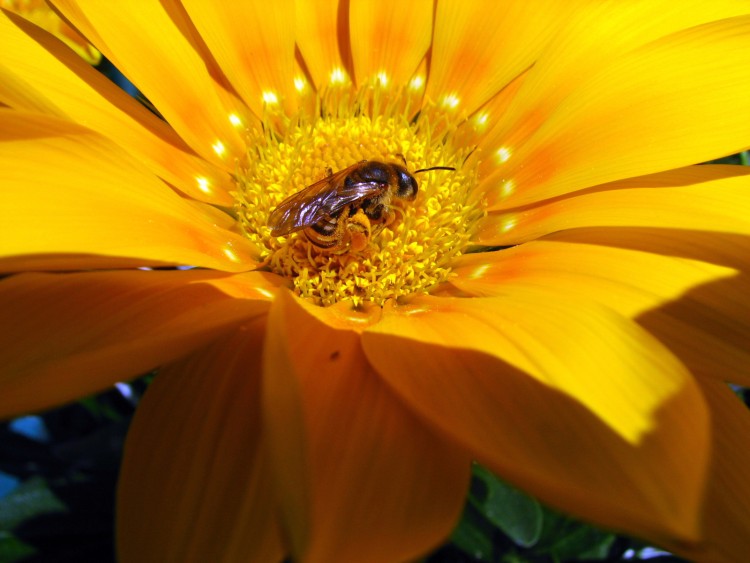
434	168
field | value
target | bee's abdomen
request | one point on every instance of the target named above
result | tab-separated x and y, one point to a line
324	233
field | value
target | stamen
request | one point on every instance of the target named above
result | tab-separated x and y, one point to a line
410	254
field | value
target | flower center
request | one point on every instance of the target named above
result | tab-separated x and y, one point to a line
379	246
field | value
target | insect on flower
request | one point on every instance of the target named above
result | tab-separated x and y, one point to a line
344	210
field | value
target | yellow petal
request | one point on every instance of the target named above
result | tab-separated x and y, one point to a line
364	479
563	397
39	75
667	104
253	42
474	131
322	33
195	484
480	47
708	329
706	198
697	309
613	276
41	14
592	37
726	507
68	335
152	43
67	190
389	39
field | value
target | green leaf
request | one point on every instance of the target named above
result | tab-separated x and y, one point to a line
519	516
473	535
564	538
12	549
31	498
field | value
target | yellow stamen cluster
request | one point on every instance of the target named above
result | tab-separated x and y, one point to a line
411	255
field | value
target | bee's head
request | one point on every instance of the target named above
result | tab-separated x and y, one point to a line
407	184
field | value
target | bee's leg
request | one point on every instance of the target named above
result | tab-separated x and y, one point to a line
342	235
389	216
329	171
358	231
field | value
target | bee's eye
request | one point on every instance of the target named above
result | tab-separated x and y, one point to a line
407	186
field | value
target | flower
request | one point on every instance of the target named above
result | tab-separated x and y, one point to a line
565	307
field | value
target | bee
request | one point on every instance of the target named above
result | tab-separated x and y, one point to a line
344	210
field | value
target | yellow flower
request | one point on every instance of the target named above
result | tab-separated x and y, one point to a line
565	307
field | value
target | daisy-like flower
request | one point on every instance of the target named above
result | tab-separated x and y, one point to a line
566	306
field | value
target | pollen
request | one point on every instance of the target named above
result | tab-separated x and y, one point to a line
270	97
508	223
503	155
507	188
338	76
219	148
450	101
203	185
299	83
480	120
411	254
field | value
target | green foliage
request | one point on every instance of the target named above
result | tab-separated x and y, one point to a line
500	524
31	499
519	516
12	549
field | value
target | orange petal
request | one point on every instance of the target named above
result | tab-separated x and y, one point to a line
362	478
195	484
153	44
68	335
595	34
726	507
563	397
698	310
667	104
253	42
322	32
480	47
389	39
87	197
38	74
706	198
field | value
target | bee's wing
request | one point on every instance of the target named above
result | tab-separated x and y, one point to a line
321	199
